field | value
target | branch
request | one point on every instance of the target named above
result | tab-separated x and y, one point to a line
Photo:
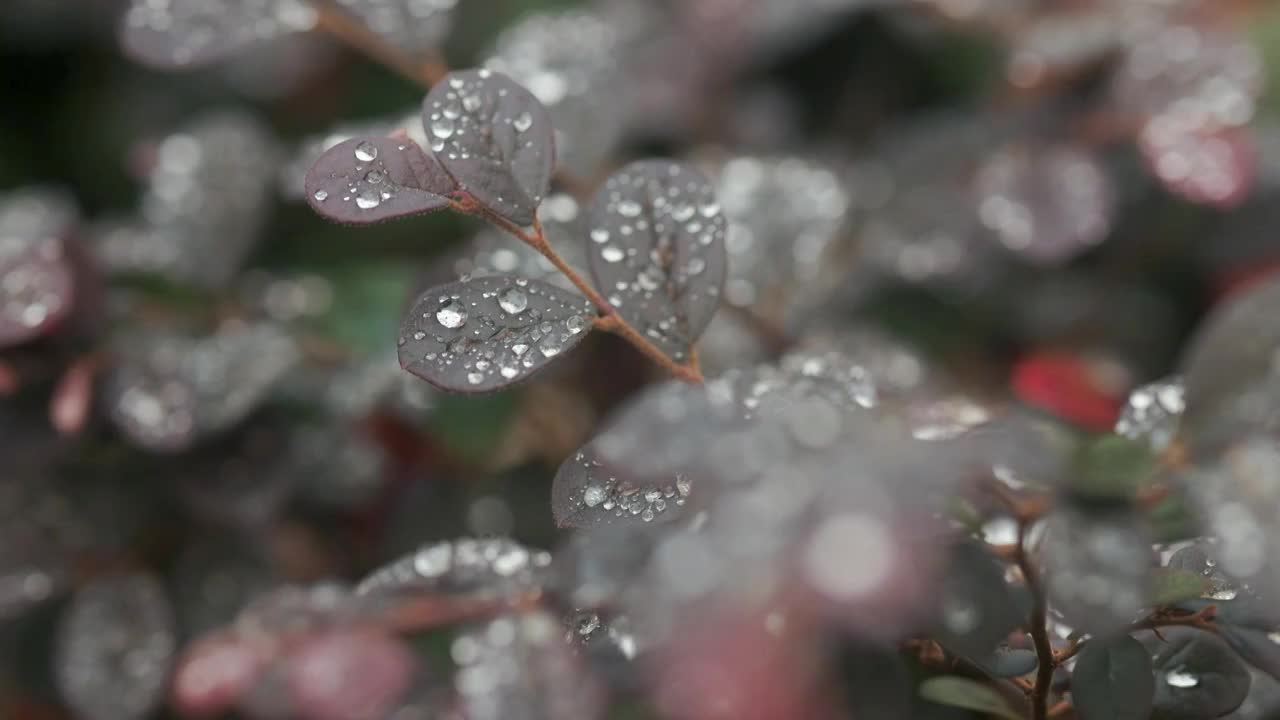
609	319
1039	626
355	35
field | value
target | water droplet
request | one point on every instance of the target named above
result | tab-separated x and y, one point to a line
368	200
523	122
509	371
600	236
629	208
452	315
321	196
374	177
475	378
575	324
513	301
1180	678
612	254
549	346
443	128
366	152
593	495
471	103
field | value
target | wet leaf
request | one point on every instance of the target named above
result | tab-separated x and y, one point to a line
976	607
1111	468
1153	413
968	694
190	33
1096	563
1197	675
587	492
114	648
1008	662
463	569
657	251
371	179
1112	680
348	673
494	138
485	333
411	25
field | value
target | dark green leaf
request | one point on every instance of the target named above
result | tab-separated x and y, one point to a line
1112	680
1198	676
1255	646
1111	468
1168	585
968	694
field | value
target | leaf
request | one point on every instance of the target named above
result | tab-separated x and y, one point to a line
1112	467
115	645
1096	563
968	694
976	607
1112	680
1197	675
1007	662
1170	585
192	33
463	569
588	493
482	334
367	180
494	138
657	249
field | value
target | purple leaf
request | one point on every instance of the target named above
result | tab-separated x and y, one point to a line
494	138
370	179
589	493
483	334
657	248
37	279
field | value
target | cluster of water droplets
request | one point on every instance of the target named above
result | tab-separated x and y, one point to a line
604	494
367	183
206	201
490	331
657	250
476	568
169	389
35	274
292	175
569	61
1048	203
1153	413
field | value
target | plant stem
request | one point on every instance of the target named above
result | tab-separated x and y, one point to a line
609	319
1039	626
353	34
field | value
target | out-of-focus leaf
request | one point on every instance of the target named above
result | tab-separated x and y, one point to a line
1169	585
968	694
1111	467
494	138
1197	675
190	33
657	251
1112	680
587	492
1258	648
463	569
485	333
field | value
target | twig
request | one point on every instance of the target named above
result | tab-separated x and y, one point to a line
1039	626
352	33
609	319
1201	620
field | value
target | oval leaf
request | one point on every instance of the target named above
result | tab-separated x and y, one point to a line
1112	680
370	179
657	250
1197	676
588	493
37	282
968	694
485	333
115	645
494	138
190	33
1171	585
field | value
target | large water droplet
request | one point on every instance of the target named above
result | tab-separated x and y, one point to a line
600	236
443	128
629	208
593	495
1180	678
612	254
321	196
513	301
366	152
452	315
368	200
523	122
